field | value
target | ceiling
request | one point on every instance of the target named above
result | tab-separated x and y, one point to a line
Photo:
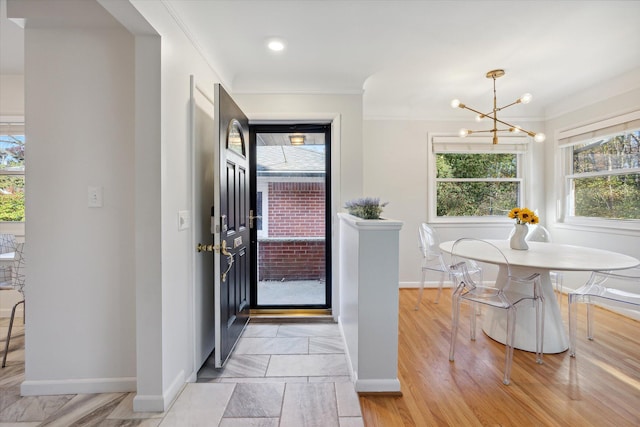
410	58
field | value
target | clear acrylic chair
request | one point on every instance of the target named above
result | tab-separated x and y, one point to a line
610	287
540	234
7	244
506	297
433	260
14	282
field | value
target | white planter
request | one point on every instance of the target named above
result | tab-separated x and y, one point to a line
369	262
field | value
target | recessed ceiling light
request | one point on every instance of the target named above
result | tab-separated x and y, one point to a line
275	45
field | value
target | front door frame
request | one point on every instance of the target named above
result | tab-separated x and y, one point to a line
310	126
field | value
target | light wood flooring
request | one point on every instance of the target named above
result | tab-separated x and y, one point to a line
600	387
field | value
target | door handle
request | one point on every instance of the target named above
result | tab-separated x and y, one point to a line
219	249
252	217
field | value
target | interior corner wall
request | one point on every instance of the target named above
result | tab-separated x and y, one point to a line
80	334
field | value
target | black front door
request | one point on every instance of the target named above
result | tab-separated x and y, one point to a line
231	231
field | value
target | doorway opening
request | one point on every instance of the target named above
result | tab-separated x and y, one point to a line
290	213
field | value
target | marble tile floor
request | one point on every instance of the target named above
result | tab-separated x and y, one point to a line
279	375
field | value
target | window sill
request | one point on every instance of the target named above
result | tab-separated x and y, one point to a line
625	228
472	220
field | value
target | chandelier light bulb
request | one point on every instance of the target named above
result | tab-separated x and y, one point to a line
515	129
463	132
540	137
526	98
479	117
455	103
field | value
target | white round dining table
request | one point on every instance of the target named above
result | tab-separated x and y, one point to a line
540	258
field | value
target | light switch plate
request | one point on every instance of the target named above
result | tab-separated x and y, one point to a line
184	220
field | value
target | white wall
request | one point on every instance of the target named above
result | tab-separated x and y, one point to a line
80	329
11	95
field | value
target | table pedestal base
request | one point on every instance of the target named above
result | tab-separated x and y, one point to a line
494	321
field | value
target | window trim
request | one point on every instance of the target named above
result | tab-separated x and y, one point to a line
567	138
518	145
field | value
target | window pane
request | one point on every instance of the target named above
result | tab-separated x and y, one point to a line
12	152
11	198
11	177
614	153
457	165
612	197
476	198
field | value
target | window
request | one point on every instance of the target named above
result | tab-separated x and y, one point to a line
602	176
473	178
12	144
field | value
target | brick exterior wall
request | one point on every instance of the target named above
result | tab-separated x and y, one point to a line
291	260
295	248
296	209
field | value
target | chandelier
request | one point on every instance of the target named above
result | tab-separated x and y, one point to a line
493	114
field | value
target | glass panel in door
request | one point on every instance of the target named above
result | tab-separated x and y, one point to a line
291	209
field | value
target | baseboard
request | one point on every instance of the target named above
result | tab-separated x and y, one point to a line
160	403
148	403
427	285
352	374
174	389
378	386
79	386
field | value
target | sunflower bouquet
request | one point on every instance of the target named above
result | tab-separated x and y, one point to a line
523	216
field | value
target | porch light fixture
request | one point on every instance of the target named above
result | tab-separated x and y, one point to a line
493	114
297	139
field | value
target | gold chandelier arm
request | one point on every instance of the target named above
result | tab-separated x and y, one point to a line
490	116
465	107
489	130
518	101
531	134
